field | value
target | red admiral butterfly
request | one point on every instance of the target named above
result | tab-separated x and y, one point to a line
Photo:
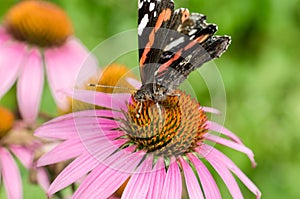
172	44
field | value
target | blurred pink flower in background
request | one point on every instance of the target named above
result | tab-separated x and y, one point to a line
148	155
37	34
16	140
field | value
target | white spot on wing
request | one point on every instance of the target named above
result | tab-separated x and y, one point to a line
174	43
141	2
143	24
155	13
151	7
192	32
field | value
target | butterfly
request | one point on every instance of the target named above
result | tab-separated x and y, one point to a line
172	44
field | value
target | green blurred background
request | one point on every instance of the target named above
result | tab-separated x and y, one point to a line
259	70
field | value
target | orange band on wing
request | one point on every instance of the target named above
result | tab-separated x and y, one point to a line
163	16
168	63
178	54
199	40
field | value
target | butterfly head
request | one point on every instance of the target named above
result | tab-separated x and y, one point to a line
152	92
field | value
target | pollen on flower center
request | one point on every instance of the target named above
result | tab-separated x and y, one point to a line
6	122
173	128
39	23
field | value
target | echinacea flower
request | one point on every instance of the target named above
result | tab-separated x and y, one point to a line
148	151
35	34
16	140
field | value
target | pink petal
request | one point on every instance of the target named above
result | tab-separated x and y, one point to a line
103	149
67	126
4	36
74	171
192	184
59	153
11	57
237	146
86	114
157	180
107	178
219	158
210	110
11	175
43	179
173	182
208	183
228	179
113	101
218	128
30	86
63	65
139	182
50	131
23	154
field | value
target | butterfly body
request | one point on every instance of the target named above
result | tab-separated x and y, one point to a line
153	92
172	44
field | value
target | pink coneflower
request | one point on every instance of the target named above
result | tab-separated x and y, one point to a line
149	152
16	140
37	34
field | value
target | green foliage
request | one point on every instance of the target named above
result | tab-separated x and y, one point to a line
260	73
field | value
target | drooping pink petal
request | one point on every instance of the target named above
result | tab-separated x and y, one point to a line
11	175
237	146
59	153
108	177
23	154
30	86
11	57
157	180
192	184
43	179
173	182
207	181
220	129
210	110
114	101
139	182
225	174
74	171
63	65
220	159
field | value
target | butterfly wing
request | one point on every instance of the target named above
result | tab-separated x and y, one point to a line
153	19
194	45
174	43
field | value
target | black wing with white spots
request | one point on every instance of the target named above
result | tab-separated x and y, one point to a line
173	43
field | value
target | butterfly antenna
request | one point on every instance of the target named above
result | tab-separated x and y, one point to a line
107	86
